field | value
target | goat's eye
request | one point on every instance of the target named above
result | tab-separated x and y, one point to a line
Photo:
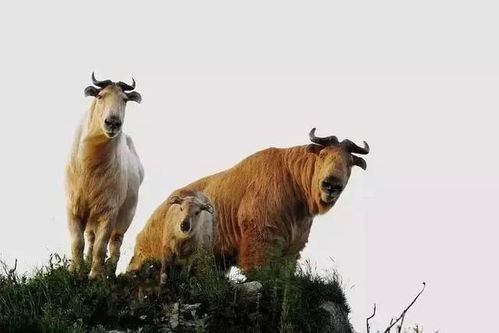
197	213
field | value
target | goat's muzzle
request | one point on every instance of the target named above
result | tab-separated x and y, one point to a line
330	190
112	125
185	226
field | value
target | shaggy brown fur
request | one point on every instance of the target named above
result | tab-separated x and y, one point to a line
183	226
270	199
102	181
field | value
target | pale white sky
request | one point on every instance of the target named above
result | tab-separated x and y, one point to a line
220	80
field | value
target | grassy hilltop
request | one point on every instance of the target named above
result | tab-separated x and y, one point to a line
284	300
56	300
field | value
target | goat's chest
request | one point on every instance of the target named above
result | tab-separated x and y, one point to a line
184	251
105	183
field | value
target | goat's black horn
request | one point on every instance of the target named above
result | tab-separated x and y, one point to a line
100	84
329	140
126	87
353	148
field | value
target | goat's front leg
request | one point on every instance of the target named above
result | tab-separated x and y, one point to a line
123	221
166	264
103	229
260	249
76	229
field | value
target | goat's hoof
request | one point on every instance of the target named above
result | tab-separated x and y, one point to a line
93	275
163	279
74	267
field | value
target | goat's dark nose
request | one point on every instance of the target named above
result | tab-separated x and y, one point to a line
185	226
331	187
112	123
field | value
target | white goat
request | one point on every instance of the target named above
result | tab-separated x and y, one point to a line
103	177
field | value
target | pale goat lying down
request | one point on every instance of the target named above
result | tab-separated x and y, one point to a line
102	177
180	226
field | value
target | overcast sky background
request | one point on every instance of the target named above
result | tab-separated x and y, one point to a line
221	80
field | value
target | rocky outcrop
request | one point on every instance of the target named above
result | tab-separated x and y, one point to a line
338	318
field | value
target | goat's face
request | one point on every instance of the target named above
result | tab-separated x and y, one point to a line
110	103
333	167
110	109
191	213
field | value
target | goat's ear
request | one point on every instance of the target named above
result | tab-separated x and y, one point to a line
209	208
175	200
91	91
134	97
314	149
359	161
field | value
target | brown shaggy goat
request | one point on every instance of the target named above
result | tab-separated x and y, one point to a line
175	231
102	177
271	197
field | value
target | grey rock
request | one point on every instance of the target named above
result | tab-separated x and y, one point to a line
338	320
251	287
174	316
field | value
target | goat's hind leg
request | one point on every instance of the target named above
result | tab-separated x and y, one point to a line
90	236
114	252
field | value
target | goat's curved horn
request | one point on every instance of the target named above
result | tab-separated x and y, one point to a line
353	148
328	140
100	84
126	87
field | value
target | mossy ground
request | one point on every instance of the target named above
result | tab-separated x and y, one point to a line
57	300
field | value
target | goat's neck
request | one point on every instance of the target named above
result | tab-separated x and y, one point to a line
301	166
97	147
